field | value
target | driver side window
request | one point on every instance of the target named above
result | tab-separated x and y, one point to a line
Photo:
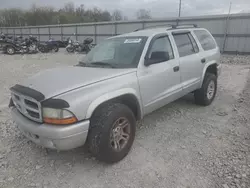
161	44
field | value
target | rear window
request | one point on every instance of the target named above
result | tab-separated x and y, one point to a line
206	40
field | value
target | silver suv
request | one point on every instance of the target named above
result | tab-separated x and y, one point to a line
120	81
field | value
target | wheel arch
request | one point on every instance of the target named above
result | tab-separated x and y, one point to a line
211	68
128	97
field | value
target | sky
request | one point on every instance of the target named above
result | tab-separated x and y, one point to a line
158	8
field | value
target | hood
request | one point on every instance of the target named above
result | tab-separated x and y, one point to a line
60	80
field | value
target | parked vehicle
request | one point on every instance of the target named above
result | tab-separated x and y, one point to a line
76	46
120	81
48	46
2	40
63	43
18	45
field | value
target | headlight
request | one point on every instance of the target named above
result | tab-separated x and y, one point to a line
58	116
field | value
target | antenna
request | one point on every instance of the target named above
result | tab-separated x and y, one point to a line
226	28
180	8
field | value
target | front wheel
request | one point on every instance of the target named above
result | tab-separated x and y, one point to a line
10	50
112	132
206	94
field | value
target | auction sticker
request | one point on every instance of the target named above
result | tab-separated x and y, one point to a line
132	40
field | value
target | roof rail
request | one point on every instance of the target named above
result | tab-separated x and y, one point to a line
170	26
184	26
155	26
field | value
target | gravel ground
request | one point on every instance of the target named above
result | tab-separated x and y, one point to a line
179	146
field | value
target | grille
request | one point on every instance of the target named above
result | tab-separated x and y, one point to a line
27	106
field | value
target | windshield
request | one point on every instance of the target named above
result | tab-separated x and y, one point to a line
121	52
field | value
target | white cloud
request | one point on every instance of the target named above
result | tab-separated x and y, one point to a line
158	8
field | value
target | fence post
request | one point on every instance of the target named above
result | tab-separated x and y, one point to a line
76	32
143	24
38	32
95	33
177	21
61	32
225	34
49	32
116	28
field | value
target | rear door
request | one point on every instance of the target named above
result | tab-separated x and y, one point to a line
191	65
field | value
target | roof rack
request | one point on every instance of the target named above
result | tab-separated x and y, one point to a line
155	26
170	26
179	26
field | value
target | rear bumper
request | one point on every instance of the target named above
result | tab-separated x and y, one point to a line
52	136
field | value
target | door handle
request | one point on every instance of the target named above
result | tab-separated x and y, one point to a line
176	69
203	60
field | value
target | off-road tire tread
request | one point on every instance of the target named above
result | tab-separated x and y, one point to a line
200	95
99	132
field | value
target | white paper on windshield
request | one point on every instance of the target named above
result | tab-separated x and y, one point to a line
132	41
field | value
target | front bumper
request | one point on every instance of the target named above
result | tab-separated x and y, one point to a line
52	136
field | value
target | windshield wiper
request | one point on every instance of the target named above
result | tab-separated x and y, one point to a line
102	63
94	64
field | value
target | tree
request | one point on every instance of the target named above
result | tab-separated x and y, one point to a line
69	8
46	15
117	15
143	14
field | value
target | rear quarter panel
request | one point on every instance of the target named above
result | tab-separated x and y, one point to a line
212	56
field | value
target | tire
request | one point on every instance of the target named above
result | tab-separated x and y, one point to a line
103	126
42	49
55	48
70	49
26	50
204	96
10	50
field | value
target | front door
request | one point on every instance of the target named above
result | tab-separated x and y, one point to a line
160	83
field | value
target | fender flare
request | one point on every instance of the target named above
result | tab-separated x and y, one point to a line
205	69
109	96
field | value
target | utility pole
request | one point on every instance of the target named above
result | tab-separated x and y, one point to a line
180	8
226	28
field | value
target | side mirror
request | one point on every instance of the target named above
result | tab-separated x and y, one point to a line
157	57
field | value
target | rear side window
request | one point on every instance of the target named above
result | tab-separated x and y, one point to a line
185	45
206	40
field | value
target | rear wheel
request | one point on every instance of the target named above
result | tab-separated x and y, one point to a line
206	94
112	132
10	50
